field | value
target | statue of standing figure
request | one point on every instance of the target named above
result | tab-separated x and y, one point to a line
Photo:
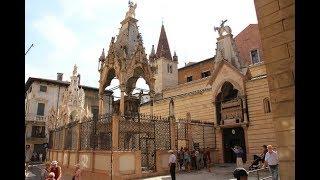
132	8
223	28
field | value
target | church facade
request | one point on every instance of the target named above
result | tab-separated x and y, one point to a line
229	90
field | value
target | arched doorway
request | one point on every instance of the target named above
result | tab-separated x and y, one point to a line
230	114
233	137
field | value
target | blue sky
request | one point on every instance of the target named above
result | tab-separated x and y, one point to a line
68	32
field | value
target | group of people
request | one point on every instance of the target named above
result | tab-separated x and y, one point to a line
268	158
193	159
200	158
188	160
53	171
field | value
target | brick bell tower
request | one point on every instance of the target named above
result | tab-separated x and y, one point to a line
166	66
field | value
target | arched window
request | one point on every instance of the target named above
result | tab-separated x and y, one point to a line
266	105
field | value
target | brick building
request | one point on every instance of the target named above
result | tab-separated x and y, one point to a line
243	117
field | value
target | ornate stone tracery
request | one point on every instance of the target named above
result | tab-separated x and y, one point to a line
126	59
72	107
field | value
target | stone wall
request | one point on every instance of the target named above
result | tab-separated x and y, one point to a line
276	19
199	104
261	129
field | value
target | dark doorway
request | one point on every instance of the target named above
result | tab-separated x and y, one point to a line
39	149
232	137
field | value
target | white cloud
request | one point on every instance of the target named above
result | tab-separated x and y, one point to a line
87	9
56	33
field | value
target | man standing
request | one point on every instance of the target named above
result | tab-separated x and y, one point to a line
172	164
272	160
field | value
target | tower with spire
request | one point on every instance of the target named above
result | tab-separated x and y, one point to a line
166	66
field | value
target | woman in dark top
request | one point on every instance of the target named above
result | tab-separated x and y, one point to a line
263	154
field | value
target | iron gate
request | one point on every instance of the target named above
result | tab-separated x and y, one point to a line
148	153
146	133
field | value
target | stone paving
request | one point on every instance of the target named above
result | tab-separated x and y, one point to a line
218	172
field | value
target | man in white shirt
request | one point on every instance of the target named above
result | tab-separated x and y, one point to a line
172	164
272	160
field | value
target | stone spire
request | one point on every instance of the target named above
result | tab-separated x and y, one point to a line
163	49
175	57
102	56
152	55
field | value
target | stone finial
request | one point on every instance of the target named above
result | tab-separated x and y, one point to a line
102	56
152	55
175	57
131	11
223	28
75	70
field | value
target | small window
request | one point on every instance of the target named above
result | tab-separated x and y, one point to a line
43	88
266	104
170	69
189	78
40	111
205	74
255	56
38	131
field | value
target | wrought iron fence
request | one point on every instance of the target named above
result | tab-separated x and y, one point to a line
93	134
146	133
96	133
58	138
200	135
71	136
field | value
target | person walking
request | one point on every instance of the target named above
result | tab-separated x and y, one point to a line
272	160
181	159
56	170
172	164
238	151
197	159
77	173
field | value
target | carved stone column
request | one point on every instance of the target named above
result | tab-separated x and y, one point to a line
244	109
189	135
122	107
151	93
173	132
219	144
101	104
245	130
115	131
